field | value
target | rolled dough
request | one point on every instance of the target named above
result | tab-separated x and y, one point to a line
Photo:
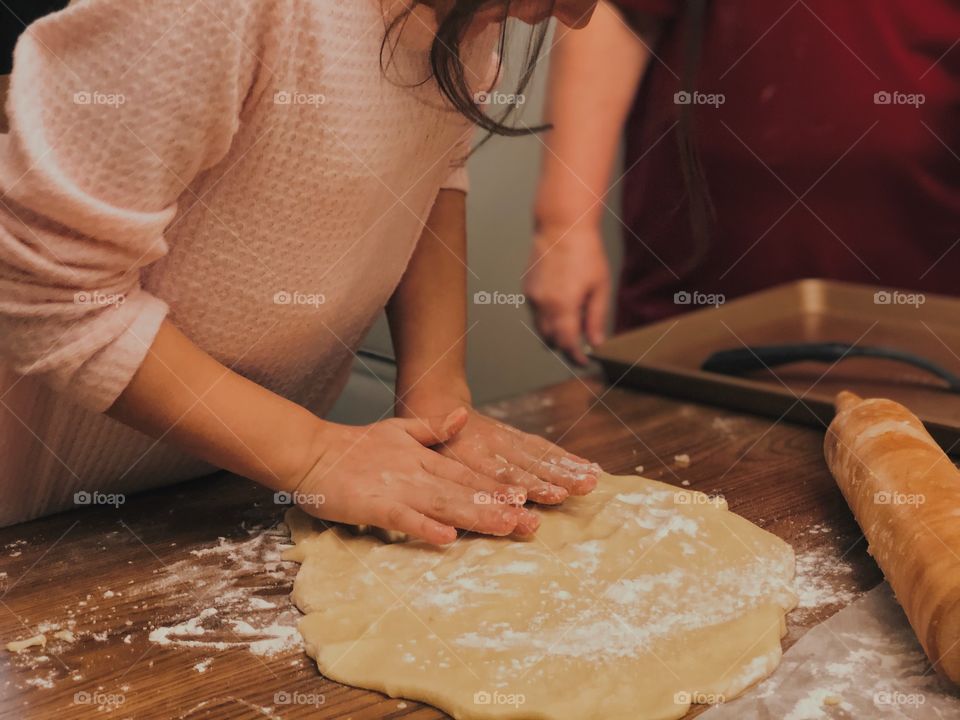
631	602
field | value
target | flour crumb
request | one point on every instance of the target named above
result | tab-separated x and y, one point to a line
203	665
41	682
638	468
682	460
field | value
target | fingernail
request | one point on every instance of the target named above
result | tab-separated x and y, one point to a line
452	418
586	485
551	492
514	496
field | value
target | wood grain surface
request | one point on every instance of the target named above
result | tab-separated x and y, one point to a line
113	570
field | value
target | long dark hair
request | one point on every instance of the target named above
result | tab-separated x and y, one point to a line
447	68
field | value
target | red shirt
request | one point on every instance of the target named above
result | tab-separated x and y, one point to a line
879	182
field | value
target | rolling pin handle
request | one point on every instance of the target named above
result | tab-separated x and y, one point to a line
846	400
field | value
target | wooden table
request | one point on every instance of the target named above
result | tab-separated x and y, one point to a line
108	569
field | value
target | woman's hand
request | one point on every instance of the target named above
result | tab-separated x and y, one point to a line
385	475
568	285
548	473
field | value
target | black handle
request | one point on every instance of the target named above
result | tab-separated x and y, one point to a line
748	359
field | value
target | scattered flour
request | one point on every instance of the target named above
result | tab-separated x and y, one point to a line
45	682
228	610
518	567
822	581
862	662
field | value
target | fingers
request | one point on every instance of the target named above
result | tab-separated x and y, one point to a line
460	473
463	508
509	478
393	515
544	323
538	489
552	464
559	326
596	313
566	334
527	525
435	430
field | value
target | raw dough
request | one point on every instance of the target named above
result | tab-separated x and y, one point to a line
629	603
18	646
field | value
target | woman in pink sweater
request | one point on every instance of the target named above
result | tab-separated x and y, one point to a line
204	207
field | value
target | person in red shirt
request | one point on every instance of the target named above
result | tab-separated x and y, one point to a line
827	144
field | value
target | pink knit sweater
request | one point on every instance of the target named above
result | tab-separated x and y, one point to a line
242	167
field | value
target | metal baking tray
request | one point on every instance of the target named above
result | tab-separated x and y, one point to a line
666	357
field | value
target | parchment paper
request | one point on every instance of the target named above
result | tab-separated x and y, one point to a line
864	662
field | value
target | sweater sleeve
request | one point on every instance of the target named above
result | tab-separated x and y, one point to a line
115	106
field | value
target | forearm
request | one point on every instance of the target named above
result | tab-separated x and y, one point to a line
428	312
594	75
184	396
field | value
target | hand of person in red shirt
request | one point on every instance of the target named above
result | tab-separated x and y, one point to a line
568	285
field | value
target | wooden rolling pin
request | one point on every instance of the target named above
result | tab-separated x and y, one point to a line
905	493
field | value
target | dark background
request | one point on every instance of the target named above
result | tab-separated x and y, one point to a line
15	15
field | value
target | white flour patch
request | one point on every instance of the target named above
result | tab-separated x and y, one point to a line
518	567
863	662
223	587
822	581
233	594
651	497
44	682
727	425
